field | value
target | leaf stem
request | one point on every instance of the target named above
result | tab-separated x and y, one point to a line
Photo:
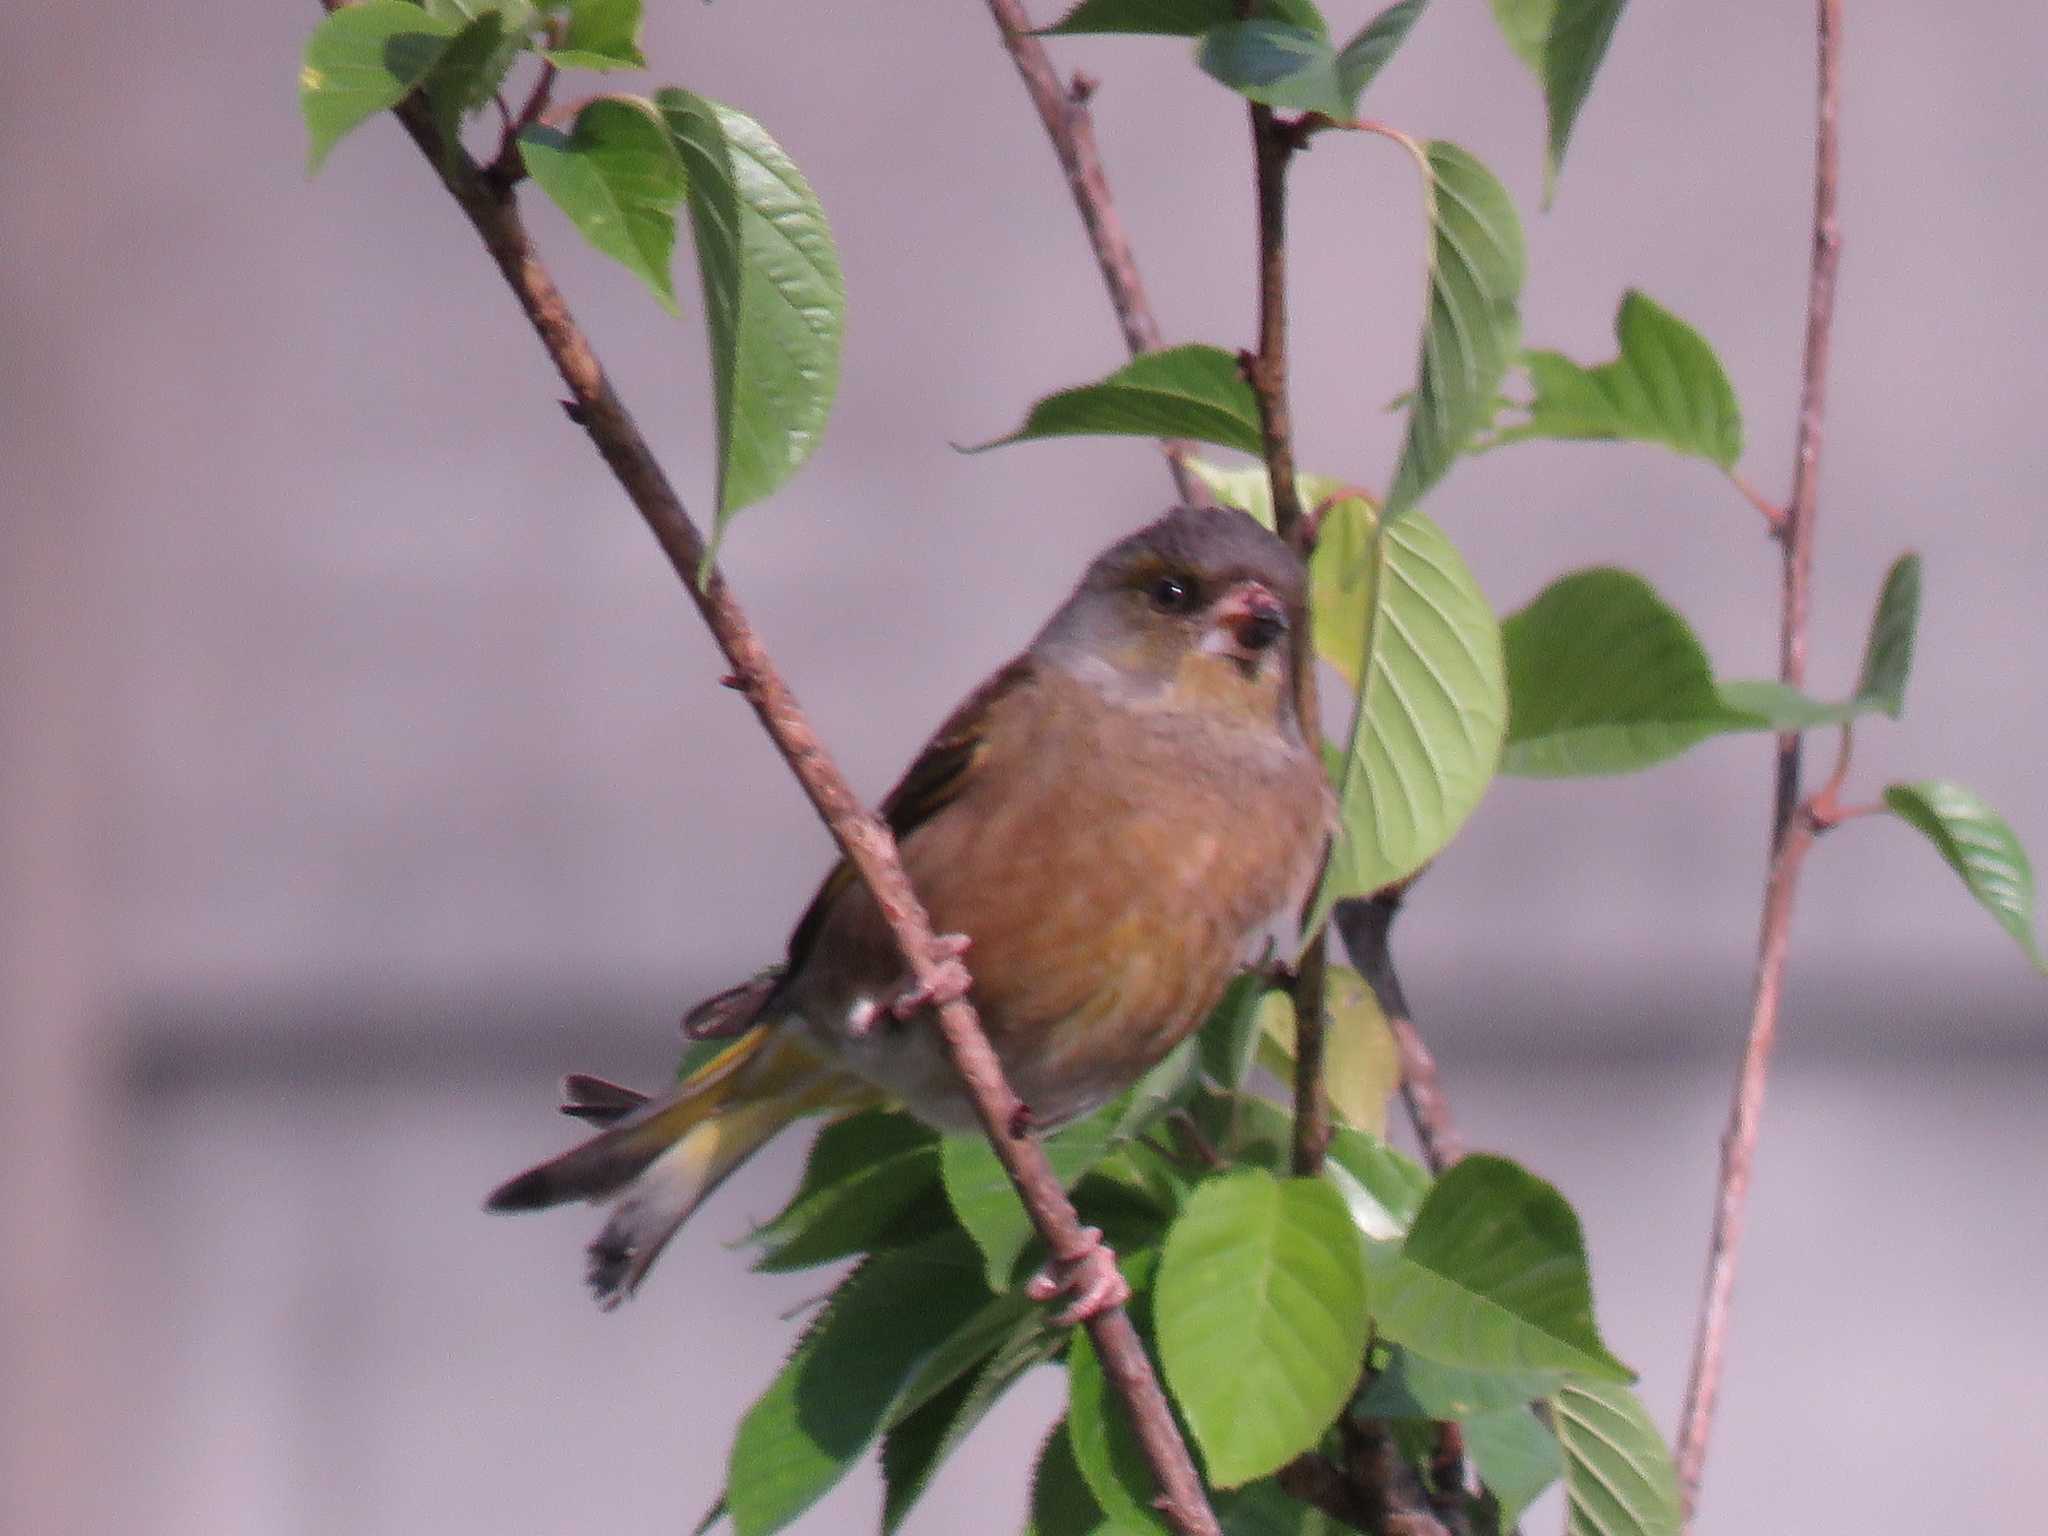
1773	514
1791	832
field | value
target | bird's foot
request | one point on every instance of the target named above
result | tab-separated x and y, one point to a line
1090	1277
948	984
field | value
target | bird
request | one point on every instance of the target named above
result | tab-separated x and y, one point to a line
1112	825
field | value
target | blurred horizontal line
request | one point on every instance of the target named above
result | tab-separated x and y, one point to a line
339	1037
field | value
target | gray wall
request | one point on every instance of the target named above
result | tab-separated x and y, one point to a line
360	768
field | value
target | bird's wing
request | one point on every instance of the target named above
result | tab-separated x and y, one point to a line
933	781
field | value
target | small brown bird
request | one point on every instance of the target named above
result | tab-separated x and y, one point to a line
1116	821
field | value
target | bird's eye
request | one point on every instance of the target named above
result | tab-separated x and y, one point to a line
1171	594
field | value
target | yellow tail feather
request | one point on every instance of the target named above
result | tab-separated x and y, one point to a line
663	1159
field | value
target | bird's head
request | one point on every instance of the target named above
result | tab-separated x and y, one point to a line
1200	610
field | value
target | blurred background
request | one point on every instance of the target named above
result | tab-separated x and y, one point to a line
362	769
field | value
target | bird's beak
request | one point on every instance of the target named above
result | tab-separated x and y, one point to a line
1244	623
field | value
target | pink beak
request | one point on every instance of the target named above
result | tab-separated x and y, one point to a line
1248	619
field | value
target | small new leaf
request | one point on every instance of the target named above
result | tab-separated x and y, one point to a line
1191	391
1260	1312
1665	386
1980	847
362	60
619	179
1473	322
1618	1479
1493	1277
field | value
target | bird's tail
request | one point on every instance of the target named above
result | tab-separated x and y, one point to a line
660	1159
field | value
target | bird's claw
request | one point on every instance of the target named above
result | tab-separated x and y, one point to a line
948	984
1090	1277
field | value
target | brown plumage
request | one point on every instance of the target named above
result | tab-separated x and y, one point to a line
1116	820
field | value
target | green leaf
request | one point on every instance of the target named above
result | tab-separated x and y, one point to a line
1189	391
465	75
985	1201
1432	704
827	1404
602	35
1230	1036
1618	1479
1493	1276
1261	1316
1431	723
1980	847
917	1443
1368	51
1473	322
1604	677
1360	1066
1383	1188
1412	1386
362	60
619	179
1061	1504
1579	34
1562	42
773	295
1517	1457
1175	18
1888	652
1276	64
1665	386
864	1172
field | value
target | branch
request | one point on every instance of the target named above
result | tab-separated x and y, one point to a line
1365	924
1072	131
1792	824
865	841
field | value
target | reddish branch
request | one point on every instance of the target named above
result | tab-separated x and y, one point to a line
867	844
1064	111
1793	822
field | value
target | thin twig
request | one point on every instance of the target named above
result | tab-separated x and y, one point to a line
1071	128
864	840
1266	371
1791	824
1365	924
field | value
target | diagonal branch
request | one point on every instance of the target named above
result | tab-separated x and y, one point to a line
1365	924
866	842
1792	821
1072	131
